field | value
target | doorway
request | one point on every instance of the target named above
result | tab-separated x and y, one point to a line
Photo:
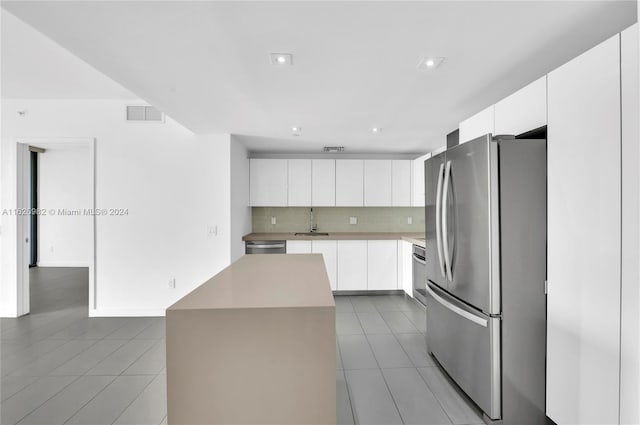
55	259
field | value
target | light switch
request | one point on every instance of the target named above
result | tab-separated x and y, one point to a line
273	220
353	220
409	220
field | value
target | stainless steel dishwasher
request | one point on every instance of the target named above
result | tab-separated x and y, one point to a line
265	247
419	274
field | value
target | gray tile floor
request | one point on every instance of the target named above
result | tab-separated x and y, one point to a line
60	367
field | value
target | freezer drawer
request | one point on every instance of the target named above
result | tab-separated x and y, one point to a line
466	342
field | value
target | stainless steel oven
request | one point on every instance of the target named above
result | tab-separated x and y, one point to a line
419	274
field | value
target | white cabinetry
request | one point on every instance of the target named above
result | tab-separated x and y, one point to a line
405	267
329	251
630	320
352	265
349	182
417	181
299	182
524	110
583	260
268	182
382	265
400	183
323	183
377	183
477	125
298	247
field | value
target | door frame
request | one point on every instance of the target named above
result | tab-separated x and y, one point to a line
23	236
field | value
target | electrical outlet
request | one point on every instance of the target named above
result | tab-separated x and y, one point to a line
409	220
172	283
273	220
353	220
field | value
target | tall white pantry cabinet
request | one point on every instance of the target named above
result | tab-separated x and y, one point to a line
592	376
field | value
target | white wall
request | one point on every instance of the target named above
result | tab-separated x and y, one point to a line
240	210
174	184
63	184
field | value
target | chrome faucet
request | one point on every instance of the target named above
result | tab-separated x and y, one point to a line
312	227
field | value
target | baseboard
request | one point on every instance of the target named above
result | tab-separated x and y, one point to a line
371	292
127	312
62	264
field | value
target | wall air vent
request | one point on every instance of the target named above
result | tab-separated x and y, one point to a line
333	149
144	113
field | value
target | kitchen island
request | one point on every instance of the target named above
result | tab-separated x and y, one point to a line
254	344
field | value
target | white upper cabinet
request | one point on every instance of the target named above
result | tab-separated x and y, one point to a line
268	182
417	181
584	237
400	183
477	125
377	183
524	110
299	182
382	265
323	183
349	183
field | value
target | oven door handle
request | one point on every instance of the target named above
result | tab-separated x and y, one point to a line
454	308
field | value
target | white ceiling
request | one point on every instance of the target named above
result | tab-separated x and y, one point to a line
33	66
206	63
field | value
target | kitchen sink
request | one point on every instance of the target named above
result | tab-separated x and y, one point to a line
311	234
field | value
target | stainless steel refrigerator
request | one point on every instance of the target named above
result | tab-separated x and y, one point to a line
486	269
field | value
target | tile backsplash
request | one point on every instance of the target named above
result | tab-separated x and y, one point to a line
336	219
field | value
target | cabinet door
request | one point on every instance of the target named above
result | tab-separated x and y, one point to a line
401	183
349	183
377	183
268	182
405	267
477	125
630	349
329	251
417	181
524	110
323	182
298	247
583	254
299	182
382	265
352	265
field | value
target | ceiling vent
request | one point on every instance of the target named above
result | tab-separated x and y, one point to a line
333	149
144	113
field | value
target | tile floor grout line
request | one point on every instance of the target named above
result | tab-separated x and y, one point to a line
344	374
90	400
53	395
135	398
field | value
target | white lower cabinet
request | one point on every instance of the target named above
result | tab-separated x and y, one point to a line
405	267
382	265
298	247
328	249
352	265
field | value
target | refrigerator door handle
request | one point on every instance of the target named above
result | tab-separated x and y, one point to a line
450	306
438	218
445	229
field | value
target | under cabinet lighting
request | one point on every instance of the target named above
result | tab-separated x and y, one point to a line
430	63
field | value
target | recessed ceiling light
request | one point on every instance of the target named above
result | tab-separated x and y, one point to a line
281	59
296	130
429	63
376	130
333	149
